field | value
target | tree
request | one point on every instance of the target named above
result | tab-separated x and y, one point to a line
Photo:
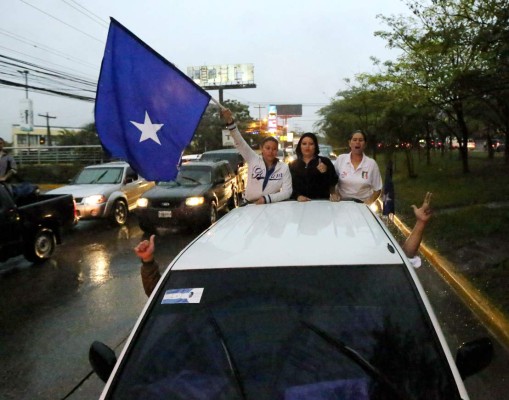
87	135
439	55
359	108
208	135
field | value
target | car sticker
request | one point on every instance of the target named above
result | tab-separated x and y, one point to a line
179	296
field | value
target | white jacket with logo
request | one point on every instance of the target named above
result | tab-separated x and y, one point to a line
279	186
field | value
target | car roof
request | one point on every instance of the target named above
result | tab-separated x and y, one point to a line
292	233
221	151
109	164
206	163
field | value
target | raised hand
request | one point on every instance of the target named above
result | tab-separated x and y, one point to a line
227	116
145	249
321	166
424	212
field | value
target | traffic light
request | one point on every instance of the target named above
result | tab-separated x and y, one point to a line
42	140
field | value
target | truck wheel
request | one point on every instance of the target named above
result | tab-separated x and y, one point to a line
212	214
119	213
41	247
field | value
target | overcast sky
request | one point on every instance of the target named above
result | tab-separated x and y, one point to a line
301	50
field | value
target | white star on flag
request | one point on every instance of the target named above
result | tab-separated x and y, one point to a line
148	129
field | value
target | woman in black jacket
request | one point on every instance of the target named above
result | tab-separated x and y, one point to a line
313	176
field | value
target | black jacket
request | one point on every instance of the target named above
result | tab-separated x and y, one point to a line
308	181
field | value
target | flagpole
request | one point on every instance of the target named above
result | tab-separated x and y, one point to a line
217	103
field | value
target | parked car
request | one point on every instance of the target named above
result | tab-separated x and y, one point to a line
289	300
286	155
236	161
32	223
495	144
190	157
106	191
194	198
326	151
471	144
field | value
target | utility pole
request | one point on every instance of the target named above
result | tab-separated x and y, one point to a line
259	107
25	72
48	137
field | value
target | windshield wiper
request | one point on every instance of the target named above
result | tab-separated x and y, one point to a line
99	177
191	179
229	357
369	368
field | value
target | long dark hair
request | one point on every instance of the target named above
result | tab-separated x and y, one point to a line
315	140
358	131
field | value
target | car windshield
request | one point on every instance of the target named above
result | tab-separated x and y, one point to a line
233	158
99	175
190	176
272	333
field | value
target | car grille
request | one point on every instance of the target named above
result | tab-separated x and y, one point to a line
165	203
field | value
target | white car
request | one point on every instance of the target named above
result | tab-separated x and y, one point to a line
289	300
107	190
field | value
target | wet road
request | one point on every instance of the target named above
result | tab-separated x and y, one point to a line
91	290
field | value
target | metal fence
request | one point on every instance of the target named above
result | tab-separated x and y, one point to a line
86	154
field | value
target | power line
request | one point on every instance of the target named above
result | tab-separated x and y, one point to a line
45	90
63	22
43	47
36	58
87	13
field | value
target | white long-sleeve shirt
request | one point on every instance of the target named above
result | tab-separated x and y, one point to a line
279	185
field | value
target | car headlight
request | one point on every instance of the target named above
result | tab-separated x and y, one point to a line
95	199
195	201
142	202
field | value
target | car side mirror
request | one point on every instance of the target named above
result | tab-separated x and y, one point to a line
474	356
102	359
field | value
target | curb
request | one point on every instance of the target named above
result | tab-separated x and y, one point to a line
489	314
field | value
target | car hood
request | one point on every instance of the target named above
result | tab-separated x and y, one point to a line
85	190
177	192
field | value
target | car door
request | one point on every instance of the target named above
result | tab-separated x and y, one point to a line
134	187
10	225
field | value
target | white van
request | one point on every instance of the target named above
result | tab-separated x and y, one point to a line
290	300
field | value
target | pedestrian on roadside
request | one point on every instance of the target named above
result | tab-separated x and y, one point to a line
313	176
268	179
7	164
150	273
359	175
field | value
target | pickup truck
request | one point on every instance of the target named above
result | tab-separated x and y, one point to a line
237	163
106	191
32	224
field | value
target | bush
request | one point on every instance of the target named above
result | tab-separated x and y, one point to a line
48	173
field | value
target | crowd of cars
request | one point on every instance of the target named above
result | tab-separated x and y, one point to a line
206	185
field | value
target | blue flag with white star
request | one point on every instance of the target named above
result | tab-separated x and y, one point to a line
146	110
388	191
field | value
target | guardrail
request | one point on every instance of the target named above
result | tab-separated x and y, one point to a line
85	154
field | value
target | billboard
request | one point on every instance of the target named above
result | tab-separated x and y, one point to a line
289	110
222	75
272	119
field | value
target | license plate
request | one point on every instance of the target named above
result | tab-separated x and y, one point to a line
164	214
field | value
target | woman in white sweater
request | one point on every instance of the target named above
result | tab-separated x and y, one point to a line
268	179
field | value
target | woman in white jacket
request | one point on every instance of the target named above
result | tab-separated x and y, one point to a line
268	179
